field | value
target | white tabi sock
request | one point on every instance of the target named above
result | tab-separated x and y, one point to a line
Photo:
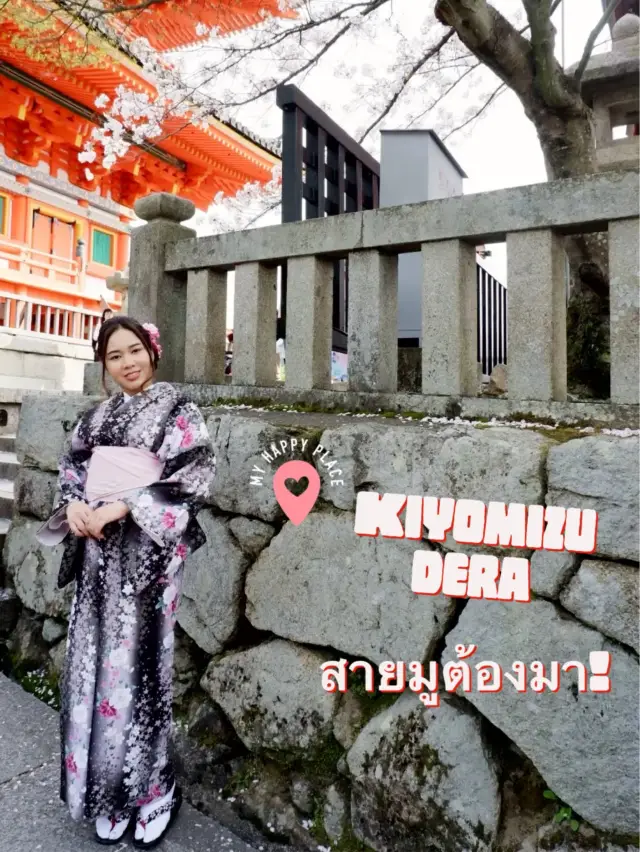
152	829
107	829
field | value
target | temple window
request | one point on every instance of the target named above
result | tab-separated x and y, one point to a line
102	247
4	214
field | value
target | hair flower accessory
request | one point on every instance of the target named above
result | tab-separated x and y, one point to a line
154	334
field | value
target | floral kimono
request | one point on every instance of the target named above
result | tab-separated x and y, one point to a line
116	687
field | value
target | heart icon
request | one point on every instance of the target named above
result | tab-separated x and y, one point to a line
297	486
296	506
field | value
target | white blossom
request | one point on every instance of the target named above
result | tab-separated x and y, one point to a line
169	594
80	714
119	657
121	698
87	156
248	207
81	757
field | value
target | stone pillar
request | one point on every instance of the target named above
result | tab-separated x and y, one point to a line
449	319
624	288
155	295
373	322
309	325
254	325
206	326
536	316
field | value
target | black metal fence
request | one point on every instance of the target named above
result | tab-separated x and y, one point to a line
492	321
324	173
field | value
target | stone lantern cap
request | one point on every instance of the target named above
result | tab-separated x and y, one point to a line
620	65
163	205
117	283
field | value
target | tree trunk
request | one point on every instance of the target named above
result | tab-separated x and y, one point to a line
552	102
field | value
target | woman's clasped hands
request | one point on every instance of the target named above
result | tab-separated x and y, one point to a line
86	522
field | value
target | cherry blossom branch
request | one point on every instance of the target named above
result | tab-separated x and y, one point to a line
405	81
492	97
445	93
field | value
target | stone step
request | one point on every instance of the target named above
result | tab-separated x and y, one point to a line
8	466
8	443
31	813
6	498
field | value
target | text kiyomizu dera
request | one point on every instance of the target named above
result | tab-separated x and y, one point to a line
498	524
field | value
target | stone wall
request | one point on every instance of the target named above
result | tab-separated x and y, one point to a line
266	602
33	363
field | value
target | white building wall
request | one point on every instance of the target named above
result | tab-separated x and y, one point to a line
414	168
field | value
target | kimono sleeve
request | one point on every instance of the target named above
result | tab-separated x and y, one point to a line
71	488
165	509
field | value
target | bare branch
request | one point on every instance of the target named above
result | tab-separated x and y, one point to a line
81	6
305	66
262	213
404	82
549	74
492	97
445	93
593	35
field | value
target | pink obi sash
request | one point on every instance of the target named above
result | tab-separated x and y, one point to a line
113	473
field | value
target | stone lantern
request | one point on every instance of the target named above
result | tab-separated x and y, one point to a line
119	285
610	87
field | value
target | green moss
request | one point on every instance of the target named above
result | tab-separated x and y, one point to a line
317	824
42	683
371	703
564	433
242	779
317	765
403	748
429	759
350	843
532	418
625	840
207	739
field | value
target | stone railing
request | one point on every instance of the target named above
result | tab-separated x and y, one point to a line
179	282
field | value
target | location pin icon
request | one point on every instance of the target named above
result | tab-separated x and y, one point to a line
295	507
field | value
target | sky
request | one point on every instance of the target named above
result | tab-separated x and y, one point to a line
500	150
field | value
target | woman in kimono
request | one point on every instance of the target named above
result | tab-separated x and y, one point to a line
131	484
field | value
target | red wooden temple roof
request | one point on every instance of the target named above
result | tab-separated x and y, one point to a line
169	24
51	75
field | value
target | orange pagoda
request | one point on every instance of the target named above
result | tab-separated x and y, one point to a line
64	224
